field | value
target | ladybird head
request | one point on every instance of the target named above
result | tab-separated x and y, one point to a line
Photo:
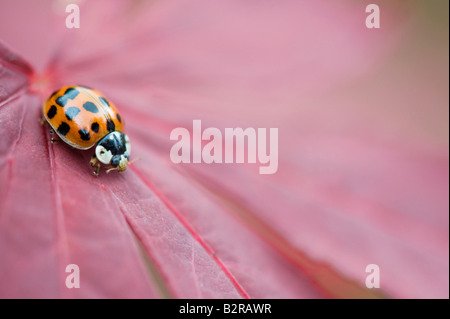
114	149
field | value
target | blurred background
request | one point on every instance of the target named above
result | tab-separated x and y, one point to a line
363	118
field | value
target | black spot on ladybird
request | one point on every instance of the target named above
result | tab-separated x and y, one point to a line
95	127
63	129
105	101
69	94
72	112
90	107
119	118
85	136
110	126
61	101
52	112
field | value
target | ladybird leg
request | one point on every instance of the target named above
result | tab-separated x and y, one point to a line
43	122
97	169
95	163
53	140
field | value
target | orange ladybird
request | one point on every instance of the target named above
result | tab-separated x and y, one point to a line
83	117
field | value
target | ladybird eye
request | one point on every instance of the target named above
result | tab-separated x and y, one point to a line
115	161
102	152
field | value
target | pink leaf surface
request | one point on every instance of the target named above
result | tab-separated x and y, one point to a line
347	193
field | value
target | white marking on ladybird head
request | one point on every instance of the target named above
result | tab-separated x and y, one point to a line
103	155
127	145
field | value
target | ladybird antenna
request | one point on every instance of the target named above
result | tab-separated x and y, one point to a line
135	160
112	169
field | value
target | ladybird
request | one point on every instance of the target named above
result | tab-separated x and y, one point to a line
82	117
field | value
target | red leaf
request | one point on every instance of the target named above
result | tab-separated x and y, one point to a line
337	204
